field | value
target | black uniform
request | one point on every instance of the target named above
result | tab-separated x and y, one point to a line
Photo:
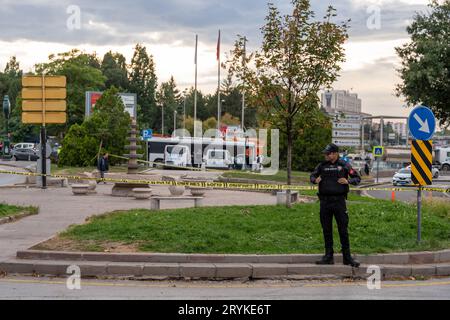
333	196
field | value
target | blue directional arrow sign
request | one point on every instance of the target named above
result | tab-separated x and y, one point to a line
422	123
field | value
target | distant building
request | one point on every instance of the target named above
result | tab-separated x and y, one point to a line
401	129
341	100
345	111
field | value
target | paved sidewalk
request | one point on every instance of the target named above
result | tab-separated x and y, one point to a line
59	209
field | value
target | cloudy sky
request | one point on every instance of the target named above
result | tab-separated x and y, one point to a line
33	29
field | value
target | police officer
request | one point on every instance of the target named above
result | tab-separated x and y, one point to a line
333	177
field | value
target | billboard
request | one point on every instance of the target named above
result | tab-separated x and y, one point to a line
129	100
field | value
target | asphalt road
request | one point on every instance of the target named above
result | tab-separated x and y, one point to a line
410	196
42	288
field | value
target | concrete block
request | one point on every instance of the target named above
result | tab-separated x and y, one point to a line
205	258
306	269
284	259
203	270
443	270
397	258
263	270
161	269
444	256
125	269
230	270
305	258
340	270
51	269
423	271
396	271
17	267
421	258
93	270
237	258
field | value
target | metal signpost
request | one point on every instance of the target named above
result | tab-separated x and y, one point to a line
422	125
378	152
44	102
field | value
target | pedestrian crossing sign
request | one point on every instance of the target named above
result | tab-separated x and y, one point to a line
378	151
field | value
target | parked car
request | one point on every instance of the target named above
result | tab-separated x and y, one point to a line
218	159
403	177
25	154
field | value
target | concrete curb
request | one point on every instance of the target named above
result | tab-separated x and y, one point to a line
215	271
16	217
411	258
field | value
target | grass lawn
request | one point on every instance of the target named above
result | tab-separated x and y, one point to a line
297	176
9	211
376	226
77	170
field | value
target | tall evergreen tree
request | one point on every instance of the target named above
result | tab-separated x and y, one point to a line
114	68
143	82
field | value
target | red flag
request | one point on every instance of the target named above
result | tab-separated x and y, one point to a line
218	48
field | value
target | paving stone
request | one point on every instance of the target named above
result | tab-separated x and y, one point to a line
336	270
389	271
205	258
421	258
397	258
444	256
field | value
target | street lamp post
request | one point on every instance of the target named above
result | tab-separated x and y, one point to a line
175	121
7	112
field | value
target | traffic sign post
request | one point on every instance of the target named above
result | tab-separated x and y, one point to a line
422	125
44	102
378	152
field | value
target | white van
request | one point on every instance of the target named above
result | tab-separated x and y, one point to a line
177	155
219	159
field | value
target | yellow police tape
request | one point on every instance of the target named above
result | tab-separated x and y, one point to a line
216	185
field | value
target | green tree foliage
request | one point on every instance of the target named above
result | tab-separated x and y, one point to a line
425	67
299	56
107	127
114	68
312	133
144	83
83	74
169	98
11	85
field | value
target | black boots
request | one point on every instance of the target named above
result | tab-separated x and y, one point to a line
327	258
348	260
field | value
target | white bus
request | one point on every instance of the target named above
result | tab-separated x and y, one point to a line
193	152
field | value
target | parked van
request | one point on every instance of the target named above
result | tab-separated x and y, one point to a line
177	155
219	159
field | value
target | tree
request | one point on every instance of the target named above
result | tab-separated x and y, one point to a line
114	68
107	127
169	98
425	69
82	75
299	56
143	82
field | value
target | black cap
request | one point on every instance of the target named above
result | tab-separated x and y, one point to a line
331	148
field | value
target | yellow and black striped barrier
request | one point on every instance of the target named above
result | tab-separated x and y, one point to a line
217	185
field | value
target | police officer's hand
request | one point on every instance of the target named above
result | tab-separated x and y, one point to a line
343	181
318	180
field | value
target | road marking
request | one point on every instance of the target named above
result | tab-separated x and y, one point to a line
239	286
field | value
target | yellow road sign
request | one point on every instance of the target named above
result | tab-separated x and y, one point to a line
37	105
50	81
38	117
421	162
36	93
